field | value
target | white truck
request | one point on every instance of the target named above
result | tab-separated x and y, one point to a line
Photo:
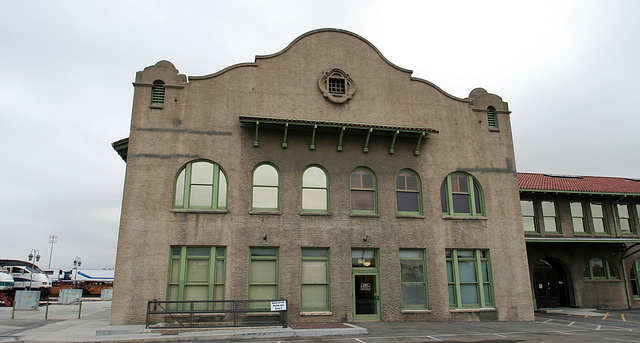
27	276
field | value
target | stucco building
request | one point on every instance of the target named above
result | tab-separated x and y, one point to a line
326	175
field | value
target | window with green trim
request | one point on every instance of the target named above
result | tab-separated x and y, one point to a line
635	279
599	219
263	276
599	268
408	197
461	195
265	194
624	219
315	190
469	278
201	185
550	217
413	278
492	117
315	280
529	220
577	217
196	273
157	93
363	191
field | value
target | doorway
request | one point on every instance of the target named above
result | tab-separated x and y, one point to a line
365	297
550	284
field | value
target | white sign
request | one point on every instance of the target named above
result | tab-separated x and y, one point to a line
365	286
279	305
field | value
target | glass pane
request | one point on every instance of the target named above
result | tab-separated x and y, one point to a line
175	271
452	295
265	197
596	210
407	201
202	173
412	271
485	272
412	182
362	200
221	251
179	199
613	274
459	183
363	258
314	199
263	272
598	225
576	209
197	271
315	252
443	198
529	224
406	181
413	294
196	292
461	203
200	196
476	196
263	252
449	272
367	180
263	292
176	251
314	297
219	293
624	225
487	294
527	207
222	190
623	211
578	225
467	271
265	175
469	294
198	251
220	271
548	208
597	268
314	272
411	253
465	254
173	293
550	224
314	177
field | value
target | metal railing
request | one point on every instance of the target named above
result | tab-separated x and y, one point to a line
215	313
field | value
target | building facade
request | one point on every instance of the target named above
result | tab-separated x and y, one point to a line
582	240
325	175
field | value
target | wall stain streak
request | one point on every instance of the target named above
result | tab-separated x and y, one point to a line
510	169
195	132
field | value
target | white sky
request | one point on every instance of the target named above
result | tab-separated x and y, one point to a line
569	70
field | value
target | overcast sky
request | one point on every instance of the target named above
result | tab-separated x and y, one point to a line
568	69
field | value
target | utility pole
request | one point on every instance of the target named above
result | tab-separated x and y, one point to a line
52	239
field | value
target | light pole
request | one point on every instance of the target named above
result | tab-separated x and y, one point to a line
76	264
34	256
52	239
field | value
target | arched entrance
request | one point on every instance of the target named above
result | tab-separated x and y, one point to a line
550	284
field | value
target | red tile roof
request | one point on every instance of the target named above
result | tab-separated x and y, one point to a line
575	183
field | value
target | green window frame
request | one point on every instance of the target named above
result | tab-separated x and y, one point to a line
202	185
469	278
197	273
634	278
492	117
314	280
263	276
599	268
625	221
461	195
550	216
408	194
315	189
529	219
577	217
413	278
265	190
599	218
363	191
157	93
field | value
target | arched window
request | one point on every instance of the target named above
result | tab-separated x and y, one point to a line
600	268
315	190
157	93
408	198
265	194
492	117
201	185
635	279
461	195
363	191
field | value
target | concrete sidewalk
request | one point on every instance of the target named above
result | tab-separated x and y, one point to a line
63	325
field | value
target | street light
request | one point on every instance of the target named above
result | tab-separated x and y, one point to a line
52	239
76	264
34	253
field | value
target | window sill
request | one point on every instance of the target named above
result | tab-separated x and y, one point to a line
410	216
188	210
317	313
268	213
473	310
370	215
315	213
494	129
601	280
415	311
449	217
158	106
